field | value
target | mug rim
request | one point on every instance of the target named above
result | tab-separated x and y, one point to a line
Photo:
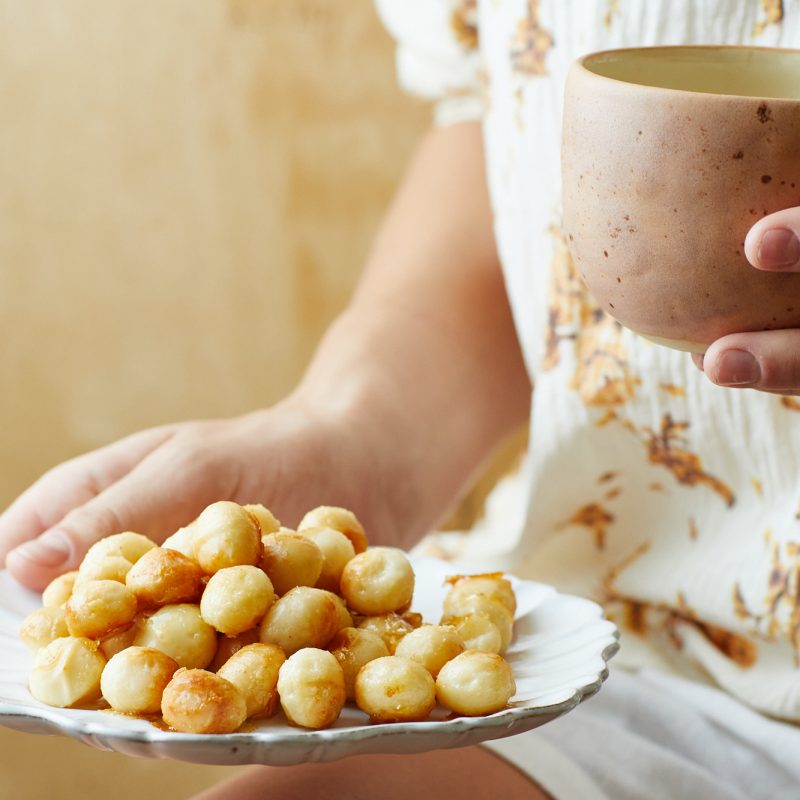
581	64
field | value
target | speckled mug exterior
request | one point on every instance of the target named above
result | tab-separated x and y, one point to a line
661	185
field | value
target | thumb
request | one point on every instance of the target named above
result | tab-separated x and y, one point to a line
773	243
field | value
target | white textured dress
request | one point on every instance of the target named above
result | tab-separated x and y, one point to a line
673	502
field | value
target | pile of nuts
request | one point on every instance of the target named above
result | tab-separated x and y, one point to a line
234	616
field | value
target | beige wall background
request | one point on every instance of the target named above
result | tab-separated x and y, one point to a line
187	191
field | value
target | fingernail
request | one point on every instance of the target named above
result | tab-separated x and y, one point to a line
737	368
697	358
49	550
778	248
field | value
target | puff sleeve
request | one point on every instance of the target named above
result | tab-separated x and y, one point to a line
438	54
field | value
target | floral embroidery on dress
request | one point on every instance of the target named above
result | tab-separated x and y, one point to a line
531	43
613	11
781	603
464	23
672	390
667	448
602	376
792	403
773	11
594	517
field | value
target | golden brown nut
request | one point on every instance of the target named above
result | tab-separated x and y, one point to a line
354	647
394	689
97	608
344	618
413	618
378	581
228	645
311	688
432	646
290	560
182	541
42	626
340	519
477	632
163	576
390	627
225	535
491	584
112	557
236	599
134	680
119	640
67	672
475	683
336	552
181	632
303	617
59	590
196	701
267	521
481	604
253	670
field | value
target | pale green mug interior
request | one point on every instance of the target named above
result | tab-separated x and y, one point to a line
741	71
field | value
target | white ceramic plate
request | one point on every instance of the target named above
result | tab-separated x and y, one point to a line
559	657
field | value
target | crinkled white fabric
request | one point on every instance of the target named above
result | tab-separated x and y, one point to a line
650	736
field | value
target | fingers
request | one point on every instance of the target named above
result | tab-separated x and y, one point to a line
67	487
773	243
767	360
147	500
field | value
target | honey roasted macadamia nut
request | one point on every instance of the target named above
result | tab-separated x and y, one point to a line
182	541
336	552
163	577
180	632
112	557
304	617
344	618
492	585
290	560
196	701
432	646
475	683
67	672
311	688
267	521
119	640
394	689
59	590
354	647
378	581
481	604
134	680
228	645
253	670
42	626
236	599
477	632
390	627
97	608
340	519
225	535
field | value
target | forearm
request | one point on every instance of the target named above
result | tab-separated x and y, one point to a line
426	358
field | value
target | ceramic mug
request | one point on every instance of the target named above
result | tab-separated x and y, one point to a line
670	155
